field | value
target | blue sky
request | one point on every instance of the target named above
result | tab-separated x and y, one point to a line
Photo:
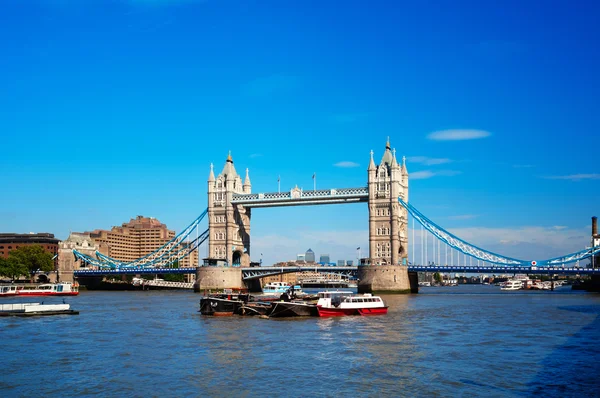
115	108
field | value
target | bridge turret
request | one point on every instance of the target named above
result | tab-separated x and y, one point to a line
247	185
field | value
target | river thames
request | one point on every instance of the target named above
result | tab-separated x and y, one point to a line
452	341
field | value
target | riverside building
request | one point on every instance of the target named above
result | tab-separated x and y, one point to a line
11	241
137	238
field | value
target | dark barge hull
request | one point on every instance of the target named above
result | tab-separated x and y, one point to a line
219	306
41	313
281	309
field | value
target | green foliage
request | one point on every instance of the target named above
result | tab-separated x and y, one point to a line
12	268
174	277
437	277
33	258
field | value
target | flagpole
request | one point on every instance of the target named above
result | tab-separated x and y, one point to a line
314	181
279	184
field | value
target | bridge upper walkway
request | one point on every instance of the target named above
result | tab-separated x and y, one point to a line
298	197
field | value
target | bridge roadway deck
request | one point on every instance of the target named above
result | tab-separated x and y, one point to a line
259	272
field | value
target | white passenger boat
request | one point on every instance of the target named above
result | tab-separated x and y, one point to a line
50	289
277	288
348	303
512	285
8	290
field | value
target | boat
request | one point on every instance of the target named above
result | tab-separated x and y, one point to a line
8	290
423	284
33	309
226	303
324	283
50	289
281	287
512	285
348	303
290	305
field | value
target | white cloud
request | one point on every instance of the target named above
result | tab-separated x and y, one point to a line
458	135
428	161
575	177
346	163
424	174
255	155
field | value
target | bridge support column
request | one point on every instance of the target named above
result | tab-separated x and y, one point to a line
386	279
218	278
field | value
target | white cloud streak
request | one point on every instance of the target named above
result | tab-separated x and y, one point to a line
425	174
575	177
428	161
458	135
346	164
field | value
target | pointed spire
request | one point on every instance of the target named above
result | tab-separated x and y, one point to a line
404	170
247	179
387	155
394	161
229	158
371	162
211	176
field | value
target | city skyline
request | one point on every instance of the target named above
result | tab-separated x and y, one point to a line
125	104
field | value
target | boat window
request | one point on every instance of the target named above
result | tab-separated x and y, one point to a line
377	300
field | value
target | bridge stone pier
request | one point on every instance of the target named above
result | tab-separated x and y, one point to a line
229	211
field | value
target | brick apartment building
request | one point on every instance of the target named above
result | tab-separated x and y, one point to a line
136	238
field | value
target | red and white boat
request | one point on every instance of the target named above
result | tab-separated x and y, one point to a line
50	289
348	303
8	290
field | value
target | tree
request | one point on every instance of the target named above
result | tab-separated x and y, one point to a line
437	277
12	268
33	258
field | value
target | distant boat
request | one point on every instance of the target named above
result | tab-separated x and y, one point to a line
280	288
512	285
50	289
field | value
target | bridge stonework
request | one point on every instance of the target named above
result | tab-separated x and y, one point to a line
388	220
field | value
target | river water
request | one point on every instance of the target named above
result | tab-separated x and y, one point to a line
450	341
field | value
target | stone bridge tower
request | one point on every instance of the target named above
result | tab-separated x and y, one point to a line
229	225
388	220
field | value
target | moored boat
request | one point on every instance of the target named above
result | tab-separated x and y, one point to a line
223	304
281	309
512	285
33	309
347	303
281	287
49	289
8	290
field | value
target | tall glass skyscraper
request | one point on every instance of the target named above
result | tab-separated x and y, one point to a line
309	256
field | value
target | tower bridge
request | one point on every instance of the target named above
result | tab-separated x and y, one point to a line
386	268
